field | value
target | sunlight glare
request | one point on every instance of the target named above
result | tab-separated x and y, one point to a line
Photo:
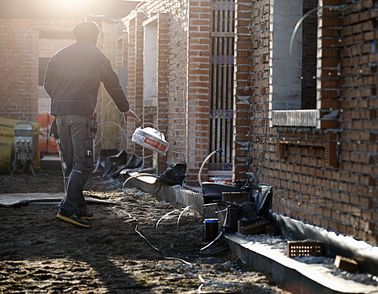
71	4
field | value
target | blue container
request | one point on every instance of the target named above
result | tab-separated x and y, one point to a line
210	229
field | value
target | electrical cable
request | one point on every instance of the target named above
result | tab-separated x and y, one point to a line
316	9
165	215
114	124
147	241
203	164
153	246
181	214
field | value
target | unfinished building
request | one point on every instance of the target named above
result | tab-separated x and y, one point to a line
293	98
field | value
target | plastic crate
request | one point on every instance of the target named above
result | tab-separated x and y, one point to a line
304	248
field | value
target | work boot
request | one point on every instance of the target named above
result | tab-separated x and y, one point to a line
73	218
84	212
87	215
73	200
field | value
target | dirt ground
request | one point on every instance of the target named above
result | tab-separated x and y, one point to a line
40	254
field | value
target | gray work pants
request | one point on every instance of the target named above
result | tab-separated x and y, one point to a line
76	145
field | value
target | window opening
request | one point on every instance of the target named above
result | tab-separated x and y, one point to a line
293	76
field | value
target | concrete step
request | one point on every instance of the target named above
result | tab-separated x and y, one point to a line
50	162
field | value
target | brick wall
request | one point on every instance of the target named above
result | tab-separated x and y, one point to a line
359	121
19	69
183	76
21	47
325	176
48	47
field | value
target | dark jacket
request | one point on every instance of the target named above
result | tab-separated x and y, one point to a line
73	77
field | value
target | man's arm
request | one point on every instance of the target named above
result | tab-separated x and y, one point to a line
113	87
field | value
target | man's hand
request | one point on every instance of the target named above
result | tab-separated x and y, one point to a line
132	114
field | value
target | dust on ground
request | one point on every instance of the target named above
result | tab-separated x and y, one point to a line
40	254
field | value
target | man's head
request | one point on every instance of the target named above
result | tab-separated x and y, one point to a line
86	32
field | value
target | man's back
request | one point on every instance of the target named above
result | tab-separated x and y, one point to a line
75	77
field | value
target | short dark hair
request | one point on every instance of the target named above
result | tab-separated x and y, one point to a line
86	31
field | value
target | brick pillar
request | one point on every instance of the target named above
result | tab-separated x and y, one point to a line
162	82
131	64
198	85
242	89
329	65
139	40
135	69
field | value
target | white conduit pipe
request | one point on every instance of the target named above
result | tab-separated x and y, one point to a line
203	164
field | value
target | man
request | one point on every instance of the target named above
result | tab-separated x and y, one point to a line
72	80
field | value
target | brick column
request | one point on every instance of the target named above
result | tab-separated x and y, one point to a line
329	66
242	89
135	69
198	85
162	82
131	64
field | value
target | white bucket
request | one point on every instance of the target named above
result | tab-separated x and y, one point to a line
152	139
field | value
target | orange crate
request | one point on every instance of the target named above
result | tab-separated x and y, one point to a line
304	248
